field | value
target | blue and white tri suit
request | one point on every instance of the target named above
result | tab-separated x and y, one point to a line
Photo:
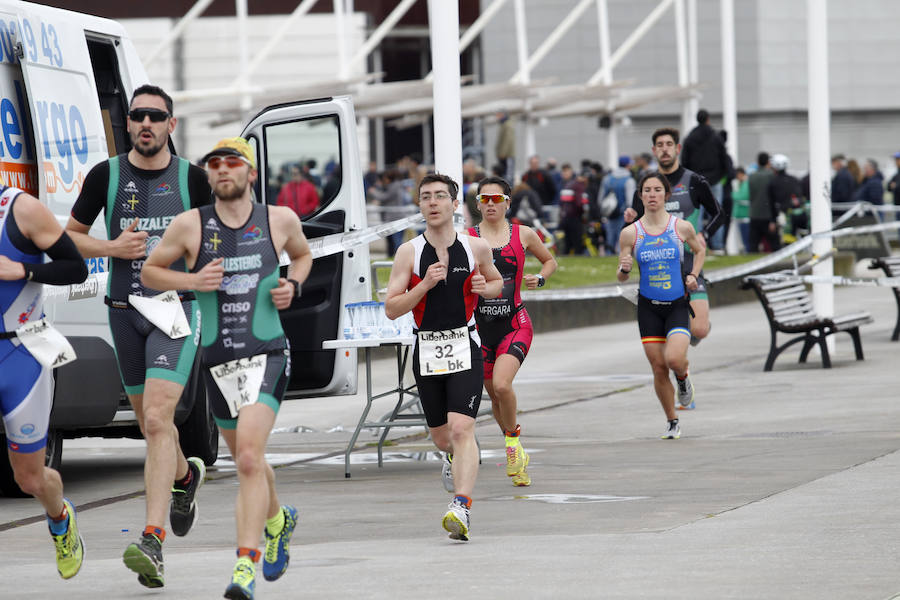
26	386
662	304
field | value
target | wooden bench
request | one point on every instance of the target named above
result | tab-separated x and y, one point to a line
891	267
789	309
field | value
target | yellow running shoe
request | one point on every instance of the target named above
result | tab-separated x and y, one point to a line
69	547
243	581
516	459
522	478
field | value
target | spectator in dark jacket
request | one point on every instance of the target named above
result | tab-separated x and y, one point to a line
842	185
703	152
872	188
894	183
540	181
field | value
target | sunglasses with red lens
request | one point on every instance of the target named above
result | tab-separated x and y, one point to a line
495	198
232	162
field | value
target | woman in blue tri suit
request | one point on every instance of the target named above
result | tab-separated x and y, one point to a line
656	242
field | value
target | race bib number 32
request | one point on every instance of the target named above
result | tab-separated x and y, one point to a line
239	381
443	352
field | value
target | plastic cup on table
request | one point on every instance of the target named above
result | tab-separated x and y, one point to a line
350	325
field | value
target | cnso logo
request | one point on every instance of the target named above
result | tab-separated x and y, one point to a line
235	307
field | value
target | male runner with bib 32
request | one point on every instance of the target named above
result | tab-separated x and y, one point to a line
232	250
439	276
503	322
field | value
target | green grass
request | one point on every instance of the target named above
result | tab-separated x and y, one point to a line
578	271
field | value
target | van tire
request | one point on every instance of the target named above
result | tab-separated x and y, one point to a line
53	459
199	434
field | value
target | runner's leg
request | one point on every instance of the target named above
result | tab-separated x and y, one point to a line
247	445
662	383
165	461
499	388
461	432
700	320
37	480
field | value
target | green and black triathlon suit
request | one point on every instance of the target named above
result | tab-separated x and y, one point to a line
155	198
239	320
690	191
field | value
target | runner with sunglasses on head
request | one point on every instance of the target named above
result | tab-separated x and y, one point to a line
141	192
503	322
656	241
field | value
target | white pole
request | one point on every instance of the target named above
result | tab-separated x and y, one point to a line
443	24
729	85
681	47
612	137
693	61
554	38
524	75
195	11
240	7
819	149
631	41
477	27
340	37
375	39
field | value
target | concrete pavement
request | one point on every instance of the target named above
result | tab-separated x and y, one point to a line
783	485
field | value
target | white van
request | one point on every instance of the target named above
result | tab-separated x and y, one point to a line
66	79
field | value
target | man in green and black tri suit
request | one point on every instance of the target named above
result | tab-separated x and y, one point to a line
690	191
140	193
232	249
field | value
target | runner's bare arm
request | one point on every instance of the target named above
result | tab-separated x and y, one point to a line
182	234
626	261
298	251
37	223
484	263
399	301
533	244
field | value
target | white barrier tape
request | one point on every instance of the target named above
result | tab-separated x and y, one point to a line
341	242
865	206
835	280
608	291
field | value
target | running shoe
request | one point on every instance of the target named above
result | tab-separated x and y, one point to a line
685	393
278	555
243	581
522	478
673	431
144	557
456	521
183	509
516	459
69	546
447	472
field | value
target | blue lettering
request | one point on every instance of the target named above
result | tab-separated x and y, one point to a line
10	121
63	143
79	143
6	45
23	110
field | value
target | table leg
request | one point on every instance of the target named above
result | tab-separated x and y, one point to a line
362	418
401	365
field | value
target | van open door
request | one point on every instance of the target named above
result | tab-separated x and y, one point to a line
308	158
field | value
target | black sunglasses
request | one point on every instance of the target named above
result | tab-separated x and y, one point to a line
156	115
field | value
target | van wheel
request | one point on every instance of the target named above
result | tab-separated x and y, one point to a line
199	434
53	459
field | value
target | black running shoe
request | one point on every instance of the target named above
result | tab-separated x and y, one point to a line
144	557
183	509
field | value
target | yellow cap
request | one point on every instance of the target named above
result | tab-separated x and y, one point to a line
234	146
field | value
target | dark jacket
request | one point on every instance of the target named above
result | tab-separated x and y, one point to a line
871	190
758	184
541	182
842	186
703	152
783	190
